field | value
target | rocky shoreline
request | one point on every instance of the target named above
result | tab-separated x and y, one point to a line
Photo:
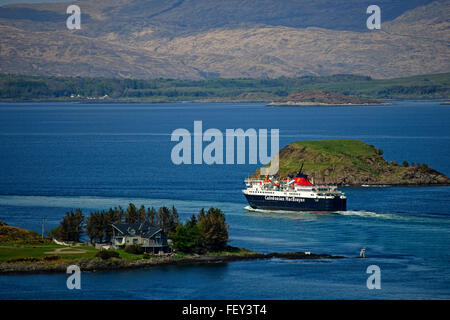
97	264
324	98
319	104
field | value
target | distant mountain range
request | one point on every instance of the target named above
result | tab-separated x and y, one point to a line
198	39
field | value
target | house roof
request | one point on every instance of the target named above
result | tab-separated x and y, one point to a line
144	229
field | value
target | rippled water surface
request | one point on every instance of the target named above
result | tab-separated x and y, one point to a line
56	157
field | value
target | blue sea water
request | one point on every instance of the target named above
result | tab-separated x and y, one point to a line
58	156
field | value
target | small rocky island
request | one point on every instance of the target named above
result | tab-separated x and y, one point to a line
324	98
352	162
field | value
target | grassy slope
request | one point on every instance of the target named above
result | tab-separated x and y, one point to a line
411	87
330	153
18	235
350	162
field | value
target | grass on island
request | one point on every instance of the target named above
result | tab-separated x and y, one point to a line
231	251
321	154
51	253
10	252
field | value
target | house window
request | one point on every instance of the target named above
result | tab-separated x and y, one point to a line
135	241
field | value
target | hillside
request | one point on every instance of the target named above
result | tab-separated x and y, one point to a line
18	235
200	39
351	162
320	97
31	88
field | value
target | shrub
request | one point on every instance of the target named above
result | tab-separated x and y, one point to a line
107	254
53	233
405	164
134	249
424	165
51	258
14	260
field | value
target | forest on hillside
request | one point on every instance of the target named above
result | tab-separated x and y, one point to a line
38	88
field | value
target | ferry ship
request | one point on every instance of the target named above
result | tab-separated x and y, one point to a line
293	194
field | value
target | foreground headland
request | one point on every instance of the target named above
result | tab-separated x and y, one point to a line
25	251
97	264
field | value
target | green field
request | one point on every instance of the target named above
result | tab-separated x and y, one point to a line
25	253
30	88
9	252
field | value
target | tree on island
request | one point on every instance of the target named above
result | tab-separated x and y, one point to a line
186	237
193	221
113	216
174	218
201	214
168	219
95	226
213	230
206	233
71	226
141	214
131	215
99	224
152	216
